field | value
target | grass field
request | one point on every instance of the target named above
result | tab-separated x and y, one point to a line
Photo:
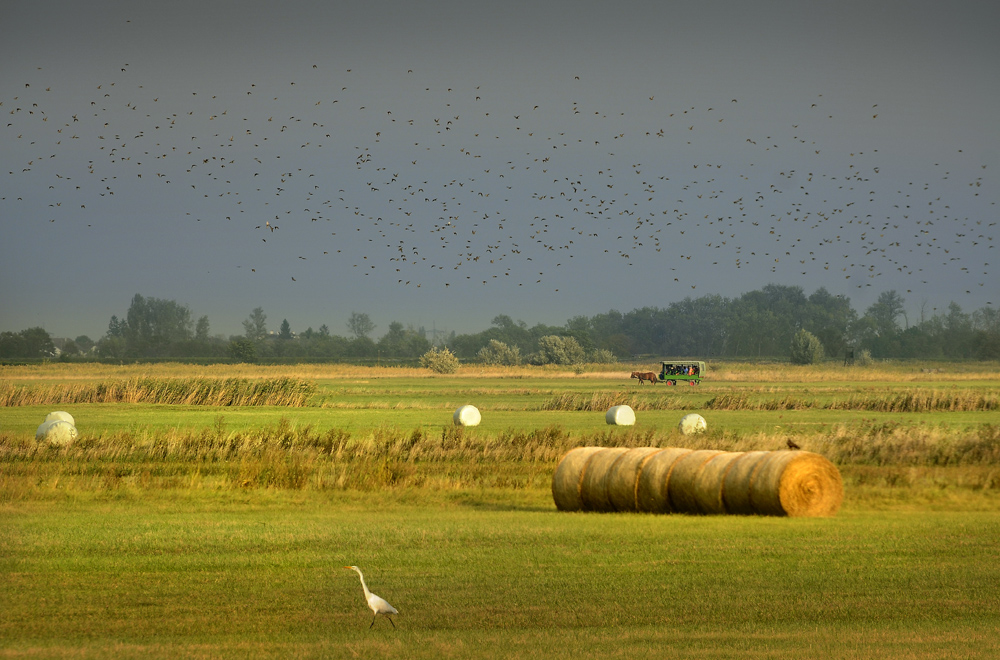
176	530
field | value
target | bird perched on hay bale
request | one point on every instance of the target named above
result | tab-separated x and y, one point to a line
792	445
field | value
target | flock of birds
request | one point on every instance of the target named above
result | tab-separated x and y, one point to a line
442	185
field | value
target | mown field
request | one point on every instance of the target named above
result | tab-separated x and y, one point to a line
208	511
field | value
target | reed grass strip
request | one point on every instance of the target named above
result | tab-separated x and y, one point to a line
221	392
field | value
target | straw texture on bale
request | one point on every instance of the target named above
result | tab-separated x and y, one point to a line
620	415
60	415
624	478
738	480
568	476
708	485
647	479
693	423
797	483
654	479
467	416
594	486
681	489
56	431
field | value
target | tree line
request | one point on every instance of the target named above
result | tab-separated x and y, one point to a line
758	324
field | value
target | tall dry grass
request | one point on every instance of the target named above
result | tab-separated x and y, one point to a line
601	401
285	456
910	402
902	371
180	391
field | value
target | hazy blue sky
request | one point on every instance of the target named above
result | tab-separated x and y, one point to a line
441	163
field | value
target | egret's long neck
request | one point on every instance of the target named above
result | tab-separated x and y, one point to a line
363	585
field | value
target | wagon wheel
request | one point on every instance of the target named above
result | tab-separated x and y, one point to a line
671	382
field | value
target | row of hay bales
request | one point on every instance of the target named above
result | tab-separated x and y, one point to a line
675	480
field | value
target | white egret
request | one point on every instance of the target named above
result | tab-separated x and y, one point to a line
377	604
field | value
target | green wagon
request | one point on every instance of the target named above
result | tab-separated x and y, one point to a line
682	370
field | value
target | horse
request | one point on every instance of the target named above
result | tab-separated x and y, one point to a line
644	375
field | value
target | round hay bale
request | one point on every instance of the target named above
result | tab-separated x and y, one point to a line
681	490
467	416
796	483
651	488
624	477
56	431
692	423
620	415
60	415
737	482
708	482
568	476
594	485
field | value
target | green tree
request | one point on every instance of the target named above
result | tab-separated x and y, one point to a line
37	343
112	346
403	342
360	325
243	349
806	348
499	353
84	343
553	349
883	329
30	343
285	331
152	325
830	318
255	327
201	329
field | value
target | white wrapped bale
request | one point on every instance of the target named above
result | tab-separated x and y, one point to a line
60	415
467	416
620	416
57	432
692	423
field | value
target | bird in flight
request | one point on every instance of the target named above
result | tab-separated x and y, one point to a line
377	604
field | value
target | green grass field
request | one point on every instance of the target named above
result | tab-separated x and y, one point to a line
200	531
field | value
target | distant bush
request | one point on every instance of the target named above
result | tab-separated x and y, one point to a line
553	349
440	361
806	348
499	353
243	350
603	356
864	358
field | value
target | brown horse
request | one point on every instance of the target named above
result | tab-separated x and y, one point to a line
644	375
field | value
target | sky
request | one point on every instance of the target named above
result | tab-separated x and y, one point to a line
440	163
